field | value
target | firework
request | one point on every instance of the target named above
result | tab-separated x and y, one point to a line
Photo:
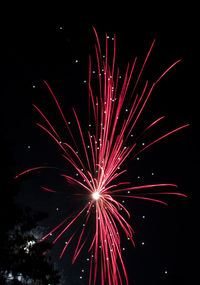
99	163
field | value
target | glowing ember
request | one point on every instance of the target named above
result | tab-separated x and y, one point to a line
96	196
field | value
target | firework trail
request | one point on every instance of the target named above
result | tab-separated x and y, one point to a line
98	160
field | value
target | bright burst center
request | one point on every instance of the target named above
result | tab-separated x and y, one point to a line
95	196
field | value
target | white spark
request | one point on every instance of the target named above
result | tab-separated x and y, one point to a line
96	196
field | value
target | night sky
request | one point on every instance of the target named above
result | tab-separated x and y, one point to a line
58	53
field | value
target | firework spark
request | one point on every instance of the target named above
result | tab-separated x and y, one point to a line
98	161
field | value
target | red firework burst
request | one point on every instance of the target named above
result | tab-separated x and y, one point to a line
98	161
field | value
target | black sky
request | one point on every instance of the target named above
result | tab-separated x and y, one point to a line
48	51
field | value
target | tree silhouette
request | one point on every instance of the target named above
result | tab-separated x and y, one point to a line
22	258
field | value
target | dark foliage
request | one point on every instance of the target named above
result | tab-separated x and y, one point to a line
22	258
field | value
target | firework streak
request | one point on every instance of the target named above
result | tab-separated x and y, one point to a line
98	162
